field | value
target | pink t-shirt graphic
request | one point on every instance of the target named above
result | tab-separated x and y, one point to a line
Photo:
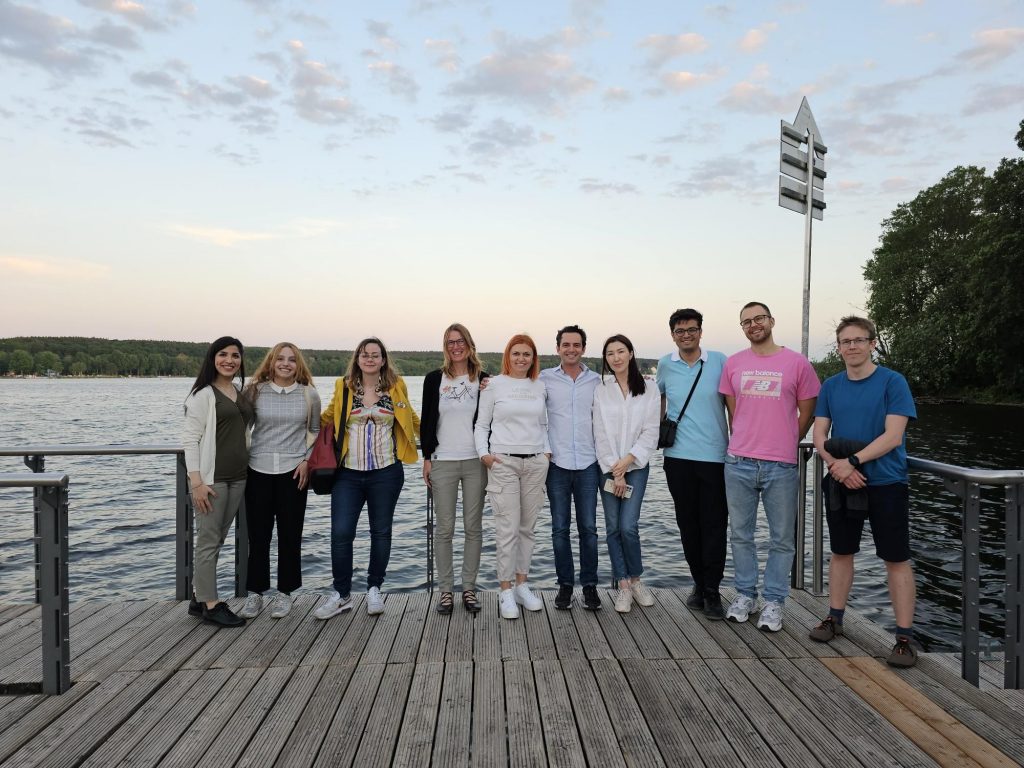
767	388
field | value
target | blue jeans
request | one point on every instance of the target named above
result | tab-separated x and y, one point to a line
580	487
378	489
776	484
622	525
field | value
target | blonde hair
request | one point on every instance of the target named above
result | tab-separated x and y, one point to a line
472	361
265	370
388	375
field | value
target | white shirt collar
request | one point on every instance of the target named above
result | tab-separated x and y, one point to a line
677	359
283	390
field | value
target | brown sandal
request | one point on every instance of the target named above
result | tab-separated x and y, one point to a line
445	604
469	601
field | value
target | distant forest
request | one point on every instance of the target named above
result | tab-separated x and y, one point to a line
77	356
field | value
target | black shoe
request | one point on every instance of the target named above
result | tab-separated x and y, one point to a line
563	600
713	609
222	616
695	602
591	600
445	604
195	608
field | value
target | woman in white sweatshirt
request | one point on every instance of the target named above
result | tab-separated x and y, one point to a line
626	412
512	441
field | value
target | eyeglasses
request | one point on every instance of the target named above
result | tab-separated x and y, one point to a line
759	319
456	342
364	356
686	331
860	341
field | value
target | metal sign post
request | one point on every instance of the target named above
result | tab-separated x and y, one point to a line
803	178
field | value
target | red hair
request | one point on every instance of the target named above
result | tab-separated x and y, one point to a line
506	359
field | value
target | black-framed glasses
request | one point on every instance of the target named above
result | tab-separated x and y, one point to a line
686	331
858	341
456	342
759	319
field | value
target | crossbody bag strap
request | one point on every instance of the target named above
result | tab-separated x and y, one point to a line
692	389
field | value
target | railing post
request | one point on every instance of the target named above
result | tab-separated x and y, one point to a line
797	573
818	553
241	551
36	464
53	578
430	541
182	533
970	493
1013	674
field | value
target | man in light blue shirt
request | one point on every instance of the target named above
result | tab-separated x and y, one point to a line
574	473
695	463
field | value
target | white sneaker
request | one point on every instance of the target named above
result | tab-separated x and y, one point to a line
282	606
527	599
624	600
740	609
507	604
253	606
642	594
770	619
374	601
334	605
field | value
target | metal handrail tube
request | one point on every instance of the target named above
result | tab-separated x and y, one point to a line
91	450
50	494
979	476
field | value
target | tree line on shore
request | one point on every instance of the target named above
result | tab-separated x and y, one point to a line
77	356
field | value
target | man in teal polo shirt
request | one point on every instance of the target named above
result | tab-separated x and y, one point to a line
695	463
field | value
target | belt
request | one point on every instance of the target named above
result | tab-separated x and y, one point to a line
522	455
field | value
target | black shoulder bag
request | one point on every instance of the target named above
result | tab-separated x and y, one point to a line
667	428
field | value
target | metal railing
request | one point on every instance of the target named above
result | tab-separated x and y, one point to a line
966	483
50	491
35	459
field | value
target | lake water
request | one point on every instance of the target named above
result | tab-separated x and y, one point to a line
122	508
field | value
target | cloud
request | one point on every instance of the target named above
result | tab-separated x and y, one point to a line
109	128
131	12
992	46
500	136
727	173
443	54
536	73
899	184
255	87
616	95
993	98
746	96
662	48
476	178
44	40
248	157
451	122
381	32
15	265
887	134
221	236
685	81
256	119
114	36
720	12
310	20
597	186
755	38
398	79
882	95
315	89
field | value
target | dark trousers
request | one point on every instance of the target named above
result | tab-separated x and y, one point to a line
270	499
698	493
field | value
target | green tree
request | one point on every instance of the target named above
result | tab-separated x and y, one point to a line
47	361
21	361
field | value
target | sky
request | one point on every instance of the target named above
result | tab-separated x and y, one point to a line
324	171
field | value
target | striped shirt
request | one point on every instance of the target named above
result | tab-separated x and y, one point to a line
371	435
279	436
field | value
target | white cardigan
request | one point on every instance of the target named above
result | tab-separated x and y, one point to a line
625	425
200	433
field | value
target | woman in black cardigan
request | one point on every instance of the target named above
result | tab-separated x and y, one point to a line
450	399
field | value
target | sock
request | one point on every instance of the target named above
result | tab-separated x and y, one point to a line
904	633
837	614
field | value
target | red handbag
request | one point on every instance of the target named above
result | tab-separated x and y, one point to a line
326	455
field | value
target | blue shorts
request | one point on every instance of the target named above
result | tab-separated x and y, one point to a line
889	514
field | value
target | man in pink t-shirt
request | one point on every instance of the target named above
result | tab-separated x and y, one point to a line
770	392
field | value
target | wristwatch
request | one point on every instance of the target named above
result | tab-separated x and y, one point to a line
854	461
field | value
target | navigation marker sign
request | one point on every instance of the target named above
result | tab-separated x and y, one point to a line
802	167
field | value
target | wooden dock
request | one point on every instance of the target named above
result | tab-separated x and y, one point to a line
657	686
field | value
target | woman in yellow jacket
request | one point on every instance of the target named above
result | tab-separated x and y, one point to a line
377	428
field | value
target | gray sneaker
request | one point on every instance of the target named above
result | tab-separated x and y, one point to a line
282	606
253	606
333	605
740	609
770	619
374	601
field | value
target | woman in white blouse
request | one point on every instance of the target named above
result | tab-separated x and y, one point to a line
626	413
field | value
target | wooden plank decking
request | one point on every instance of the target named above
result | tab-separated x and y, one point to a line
658	686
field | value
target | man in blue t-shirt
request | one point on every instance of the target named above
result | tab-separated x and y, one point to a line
867	409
